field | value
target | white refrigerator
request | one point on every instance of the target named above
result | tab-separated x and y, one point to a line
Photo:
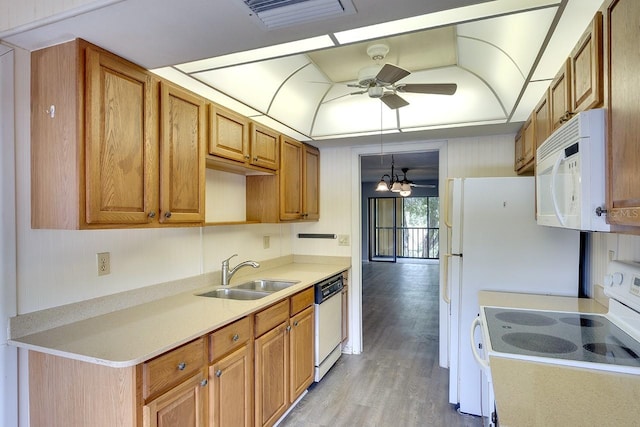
494	244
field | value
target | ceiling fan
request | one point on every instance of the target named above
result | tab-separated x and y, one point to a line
381	81
411	183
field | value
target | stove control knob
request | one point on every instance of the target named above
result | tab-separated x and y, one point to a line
608	280
617	278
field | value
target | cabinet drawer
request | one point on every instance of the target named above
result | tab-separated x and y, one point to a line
302	300
228	338
171	368
271	317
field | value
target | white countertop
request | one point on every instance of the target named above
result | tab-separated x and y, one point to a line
133	335
540	302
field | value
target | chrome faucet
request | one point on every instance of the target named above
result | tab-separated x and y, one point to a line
228	274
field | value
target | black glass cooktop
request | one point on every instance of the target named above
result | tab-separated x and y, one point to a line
560	335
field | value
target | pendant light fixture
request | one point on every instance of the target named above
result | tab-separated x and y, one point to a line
394	183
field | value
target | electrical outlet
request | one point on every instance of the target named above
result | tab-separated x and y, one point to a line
104	263
612	255
343	240
266	242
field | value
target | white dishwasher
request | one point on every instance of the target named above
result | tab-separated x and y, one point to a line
328	317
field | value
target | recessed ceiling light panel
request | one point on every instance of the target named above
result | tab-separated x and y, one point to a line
285	13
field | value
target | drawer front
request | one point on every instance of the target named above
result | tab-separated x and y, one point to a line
302	300
228	338
171	368
271	317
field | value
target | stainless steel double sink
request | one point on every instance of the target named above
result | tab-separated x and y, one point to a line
252	290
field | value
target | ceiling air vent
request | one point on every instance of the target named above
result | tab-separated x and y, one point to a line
284	13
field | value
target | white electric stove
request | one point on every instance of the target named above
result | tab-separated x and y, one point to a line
603	348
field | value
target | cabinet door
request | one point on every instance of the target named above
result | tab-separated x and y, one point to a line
560	97
541	121
622	33
182	162
586	68
291	154
311	184
231	390
272	375
229	134
301	352
182	406
518	150
265	147
121	142
528	145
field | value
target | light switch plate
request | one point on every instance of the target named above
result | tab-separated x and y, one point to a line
343	240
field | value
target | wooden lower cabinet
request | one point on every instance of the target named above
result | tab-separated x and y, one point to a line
231	390
272	375
284	351
301	352
181	406
246	373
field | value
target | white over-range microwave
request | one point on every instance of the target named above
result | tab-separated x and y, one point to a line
570	174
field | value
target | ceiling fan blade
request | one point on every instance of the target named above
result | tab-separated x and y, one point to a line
393	101
431	88
389	74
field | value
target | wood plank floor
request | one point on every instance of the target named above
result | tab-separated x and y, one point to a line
396	381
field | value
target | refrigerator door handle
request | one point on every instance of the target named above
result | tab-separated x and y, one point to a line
444	291
483	363
447	202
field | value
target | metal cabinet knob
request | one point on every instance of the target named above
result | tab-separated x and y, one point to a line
247	156
288	328
182	366
235	338
218	373
204	382
167	214
152	214
295	323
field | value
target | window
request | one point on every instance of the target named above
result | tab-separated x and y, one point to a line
405	227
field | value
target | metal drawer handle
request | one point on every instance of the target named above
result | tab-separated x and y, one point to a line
235	338
182	366
218	373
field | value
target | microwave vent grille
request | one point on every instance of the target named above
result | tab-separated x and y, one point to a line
567	134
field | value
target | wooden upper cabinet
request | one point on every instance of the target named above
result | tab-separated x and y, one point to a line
560	97
541	122
108	149
229	134
94	139
182	151
586	68
311	184
525	147
121	141
235	137
265	146
622	33
291	175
